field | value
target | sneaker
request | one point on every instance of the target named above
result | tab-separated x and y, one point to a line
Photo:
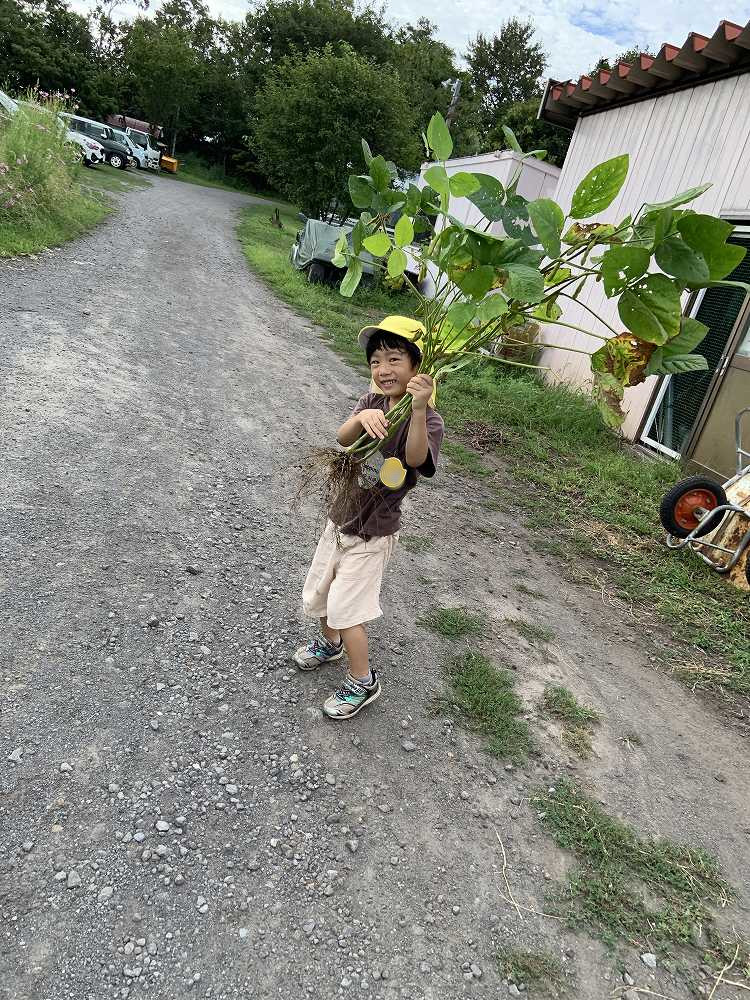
317	652
351	697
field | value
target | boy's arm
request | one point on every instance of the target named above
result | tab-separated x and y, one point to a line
373	421
417	442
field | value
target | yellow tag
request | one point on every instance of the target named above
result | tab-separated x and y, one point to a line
392	473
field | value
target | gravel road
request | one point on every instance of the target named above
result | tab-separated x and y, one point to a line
177	819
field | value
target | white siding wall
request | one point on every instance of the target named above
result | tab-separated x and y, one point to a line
675	142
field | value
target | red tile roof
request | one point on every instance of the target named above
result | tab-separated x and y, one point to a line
699	60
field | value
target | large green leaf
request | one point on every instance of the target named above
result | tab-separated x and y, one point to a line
599	187
360	190
404	231
679	199
514	216
397	263
622	264
676	364
351	279
651	309
461	314
439	138
463	184
413	200
678	258
437	177
366	152
707	235
691	334
492	307
524	283
477	281
339	255
378	244
381	175
510	138
430	200
489	198
359	232
547	219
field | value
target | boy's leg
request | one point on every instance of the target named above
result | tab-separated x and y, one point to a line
332	634
355	644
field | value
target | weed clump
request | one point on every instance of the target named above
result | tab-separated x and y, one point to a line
649	892
453	623
482	695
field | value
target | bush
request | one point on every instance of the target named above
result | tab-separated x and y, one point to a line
40	200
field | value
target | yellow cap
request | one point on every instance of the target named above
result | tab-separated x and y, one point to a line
402	326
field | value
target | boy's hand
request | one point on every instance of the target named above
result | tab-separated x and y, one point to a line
374	422
420	388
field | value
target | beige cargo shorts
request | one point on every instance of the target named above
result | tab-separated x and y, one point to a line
343	582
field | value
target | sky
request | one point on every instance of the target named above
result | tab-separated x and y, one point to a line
574	33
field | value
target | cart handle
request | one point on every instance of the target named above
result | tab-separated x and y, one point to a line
741	452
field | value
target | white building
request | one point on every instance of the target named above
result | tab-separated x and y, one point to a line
684	118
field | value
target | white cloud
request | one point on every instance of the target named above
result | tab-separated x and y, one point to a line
575	33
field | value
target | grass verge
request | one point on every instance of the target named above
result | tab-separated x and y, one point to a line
592	500
483	697
654	894
41	202
453	623
194	169
102	177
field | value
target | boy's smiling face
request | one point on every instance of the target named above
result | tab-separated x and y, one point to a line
391	369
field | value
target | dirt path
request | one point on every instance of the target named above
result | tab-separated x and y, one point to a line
154	393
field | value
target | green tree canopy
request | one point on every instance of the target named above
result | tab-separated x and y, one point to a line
505	69
310	115
628	56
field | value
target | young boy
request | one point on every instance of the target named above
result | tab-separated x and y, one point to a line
343	584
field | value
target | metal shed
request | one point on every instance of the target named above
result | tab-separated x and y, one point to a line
684	118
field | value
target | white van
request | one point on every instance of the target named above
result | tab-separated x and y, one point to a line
147	155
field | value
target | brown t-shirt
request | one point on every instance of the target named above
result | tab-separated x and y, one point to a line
377	510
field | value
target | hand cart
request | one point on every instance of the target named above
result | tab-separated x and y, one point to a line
698	506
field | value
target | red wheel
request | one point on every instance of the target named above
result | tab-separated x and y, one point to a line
686	503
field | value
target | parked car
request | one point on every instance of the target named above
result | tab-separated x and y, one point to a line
314	247
133	150
144	136
145	143
116	154
89	150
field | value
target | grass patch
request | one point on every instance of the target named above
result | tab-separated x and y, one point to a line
267	251
453	623
415	543
464	460
531	631
572	476
483	697
577	719
102	177
533	968
560	702
650	893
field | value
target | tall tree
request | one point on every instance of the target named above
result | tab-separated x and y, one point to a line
427	68
628	56
505	69
311	114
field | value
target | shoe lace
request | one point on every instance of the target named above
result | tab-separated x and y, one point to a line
350	686
323	646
